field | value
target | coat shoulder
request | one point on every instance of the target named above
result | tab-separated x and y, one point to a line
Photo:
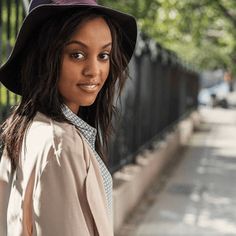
59	139
46	130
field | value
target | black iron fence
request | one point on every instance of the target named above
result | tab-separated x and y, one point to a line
12	13
160	92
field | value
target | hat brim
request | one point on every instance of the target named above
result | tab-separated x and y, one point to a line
9	75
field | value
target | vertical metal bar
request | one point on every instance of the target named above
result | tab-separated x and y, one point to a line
137	102
8	46
17	9
1	12
8	26
1	54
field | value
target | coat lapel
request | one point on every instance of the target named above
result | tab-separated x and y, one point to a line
95	192
96	198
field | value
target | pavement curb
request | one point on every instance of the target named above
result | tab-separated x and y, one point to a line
132	181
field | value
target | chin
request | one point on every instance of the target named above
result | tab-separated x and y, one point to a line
88	103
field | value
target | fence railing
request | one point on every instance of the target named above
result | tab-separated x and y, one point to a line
160	92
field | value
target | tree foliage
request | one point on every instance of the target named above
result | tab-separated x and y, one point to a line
202	32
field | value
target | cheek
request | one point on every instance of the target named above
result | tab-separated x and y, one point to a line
64	80
106	72
61	88
68	73
66	70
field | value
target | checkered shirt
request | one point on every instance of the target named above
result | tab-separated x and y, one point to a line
89	134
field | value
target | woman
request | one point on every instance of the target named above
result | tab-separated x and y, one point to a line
67	61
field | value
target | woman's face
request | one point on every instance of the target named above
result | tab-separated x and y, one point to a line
85	63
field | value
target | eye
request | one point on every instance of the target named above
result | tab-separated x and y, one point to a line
104	56
77	55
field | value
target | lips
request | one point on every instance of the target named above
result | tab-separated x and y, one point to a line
88	87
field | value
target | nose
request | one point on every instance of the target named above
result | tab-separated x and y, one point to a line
92	68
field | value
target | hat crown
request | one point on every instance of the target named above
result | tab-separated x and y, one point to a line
36	3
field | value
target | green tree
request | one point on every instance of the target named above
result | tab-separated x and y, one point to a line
202	32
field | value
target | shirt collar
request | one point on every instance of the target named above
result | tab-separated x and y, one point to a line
87	131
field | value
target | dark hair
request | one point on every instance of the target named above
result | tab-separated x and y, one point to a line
40	72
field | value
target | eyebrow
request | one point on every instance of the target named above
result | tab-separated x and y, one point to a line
84	45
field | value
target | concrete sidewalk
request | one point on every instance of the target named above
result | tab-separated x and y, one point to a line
199	198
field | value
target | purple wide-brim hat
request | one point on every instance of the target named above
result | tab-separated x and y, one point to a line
39	12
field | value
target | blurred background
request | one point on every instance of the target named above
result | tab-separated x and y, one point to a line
173	154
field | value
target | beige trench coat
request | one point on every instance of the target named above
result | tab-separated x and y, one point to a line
58	182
